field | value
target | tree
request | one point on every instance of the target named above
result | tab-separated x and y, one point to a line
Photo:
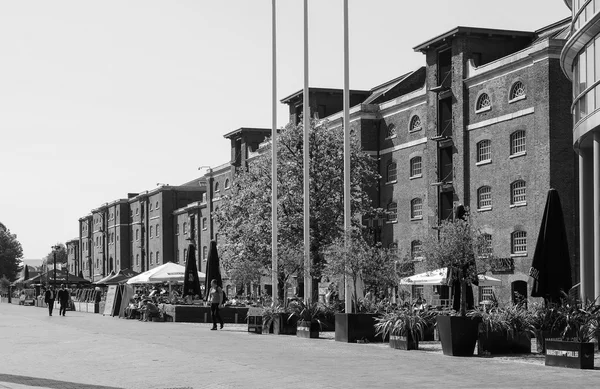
4	285
61	256
356	259
11	254
244	216
462	248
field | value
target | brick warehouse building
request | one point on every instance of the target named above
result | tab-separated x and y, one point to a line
485	123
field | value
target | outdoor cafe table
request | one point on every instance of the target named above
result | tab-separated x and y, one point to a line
201	313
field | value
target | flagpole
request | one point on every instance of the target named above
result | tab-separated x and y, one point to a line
346	124
274	267
306	115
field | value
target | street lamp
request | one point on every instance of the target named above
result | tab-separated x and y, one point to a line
54	248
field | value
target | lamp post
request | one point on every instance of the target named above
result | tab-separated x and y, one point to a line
54	248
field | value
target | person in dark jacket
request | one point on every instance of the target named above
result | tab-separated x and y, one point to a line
63	299
49	298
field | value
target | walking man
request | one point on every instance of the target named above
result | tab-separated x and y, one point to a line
49	298
63	299
215	298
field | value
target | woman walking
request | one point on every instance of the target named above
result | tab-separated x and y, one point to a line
215	298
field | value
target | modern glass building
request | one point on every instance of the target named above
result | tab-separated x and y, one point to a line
580	60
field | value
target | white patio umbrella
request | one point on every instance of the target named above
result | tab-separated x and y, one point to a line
168	272
439	277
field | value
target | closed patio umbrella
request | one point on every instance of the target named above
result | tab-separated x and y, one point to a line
191	281
551	265
213	269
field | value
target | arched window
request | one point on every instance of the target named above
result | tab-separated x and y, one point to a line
204	223
416	167
391	131
415	124
158	257
483	102
150	231
216	186
392	212
484	150
392	172
227	183
416	251
137	260
517	90
518	193
156	207
416	209
177	229
518	241
151	257
184	228
185	254
517	142
484	197
151	206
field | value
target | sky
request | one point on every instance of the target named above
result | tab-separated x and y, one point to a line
103	98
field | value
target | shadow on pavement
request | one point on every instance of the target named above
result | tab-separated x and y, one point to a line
48	383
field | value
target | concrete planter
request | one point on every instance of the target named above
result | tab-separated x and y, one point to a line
352	327
574	355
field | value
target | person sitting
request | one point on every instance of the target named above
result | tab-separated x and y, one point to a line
149	310
131	310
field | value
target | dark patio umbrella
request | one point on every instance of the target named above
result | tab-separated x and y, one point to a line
26	273
61	278
551	265
191	281
213	269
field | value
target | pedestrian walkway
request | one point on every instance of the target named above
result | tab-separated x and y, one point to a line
84	350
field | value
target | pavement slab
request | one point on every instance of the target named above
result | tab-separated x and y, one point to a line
89	351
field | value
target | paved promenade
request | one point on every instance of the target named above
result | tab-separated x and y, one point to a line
91	351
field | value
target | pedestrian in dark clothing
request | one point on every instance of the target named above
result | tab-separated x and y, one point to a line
63	299
215	298
49	298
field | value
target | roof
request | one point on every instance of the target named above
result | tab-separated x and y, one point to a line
461	30
296	95
246	129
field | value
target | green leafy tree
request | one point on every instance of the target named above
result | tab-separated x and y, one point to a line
244	216
11	254
357	260
61	256
462	248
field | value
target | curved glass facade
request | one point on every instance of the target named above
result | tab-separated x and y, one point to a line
586	77
583	10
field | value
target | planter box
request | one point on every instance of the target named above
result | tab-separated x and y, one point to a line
282	325
458	335
255	324
570	354
501	343
404	342
307	329
350	327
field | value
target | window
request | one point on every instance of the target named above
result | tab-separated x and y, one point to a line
227	183
151	206
204	252
137	234
417	291
518	193
416	209
486	246
184	254
392	172
393	247
137	259
216	186
391	131
517	143
151	257
156	231
177	256
156	207
184	228
137	211
519	242
486	293
483	103
204	223
415	124
112	237
416	251
158	257
416	167
151	231
392	212
484	151
484	197
517	91
177	229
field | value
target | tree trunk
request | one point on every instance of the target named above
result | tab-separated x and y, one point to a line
463	297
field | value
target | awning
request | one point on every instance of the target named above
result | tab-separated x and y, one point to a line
169	272
439	277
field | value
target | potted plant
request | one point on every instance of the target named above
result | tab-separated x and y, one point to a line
547	322
307	317
504	330
353	258
575	348
404	327
276	320
457	247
